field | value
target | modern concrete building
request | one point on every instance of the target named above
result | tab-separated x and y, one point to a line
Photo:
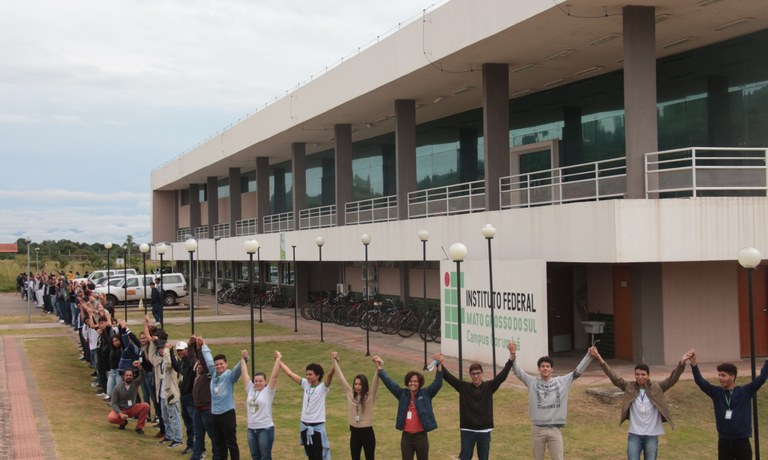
619	150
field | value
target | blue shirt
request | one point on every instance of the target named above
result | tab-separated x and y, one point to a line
222	385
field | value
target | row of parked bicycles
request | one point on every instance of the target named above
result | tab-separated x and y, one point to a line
240	294
387	316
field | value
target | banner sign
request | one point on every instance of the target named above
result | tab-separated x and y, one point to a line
520	310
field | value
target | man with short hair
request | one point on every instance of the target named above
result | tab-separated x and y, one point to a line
123	398
733	408
314	438
547	403
476	407
644	405
224	435
187	373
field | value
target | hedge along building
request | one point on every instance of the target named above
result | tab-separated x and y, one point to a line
619	151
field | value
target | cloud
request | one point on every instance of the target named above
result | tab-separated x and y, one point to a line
53	196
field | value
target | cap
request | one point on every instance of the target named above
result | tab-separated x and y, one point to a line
181	345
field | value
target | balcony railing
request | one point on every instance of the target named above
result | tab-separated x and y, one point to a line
275	223
201	233
381	209
445	201
221	230
706	171
320	217
246	227
600	180
183	233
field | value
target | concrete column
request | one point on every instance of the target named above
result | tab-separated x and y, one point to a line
572	136
343	164
647	314
262	190
495	130
467	154
194	208
718	111
405	288
405	153
640	123
235	205
213	203
299	168
164	204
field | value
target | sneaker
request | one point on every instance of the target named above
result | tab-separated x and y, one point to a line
94	384
139	431
174	445
202	456
101	395
187	450
61	321
160	435
164	440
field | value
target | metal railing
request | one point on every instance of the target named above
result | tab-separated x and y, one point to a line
320	217
444	201
606	179
381	209
275	223
246	227
706	171
221	230
183	233
201	233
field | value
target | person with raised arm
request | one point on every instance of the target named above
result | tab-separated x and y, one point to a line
258	406
415	417
360	401
312	428
547	403
644	405
476	407
733	408
223	416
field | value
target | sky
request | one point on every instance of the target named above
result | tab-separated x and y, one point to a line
94	95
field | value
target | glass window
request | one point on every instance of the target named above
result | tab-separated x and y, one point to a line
223	188
203	193
248	182
185	197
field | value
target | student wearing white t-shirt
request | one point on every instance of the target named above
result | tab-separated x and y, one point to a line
313	435
643	405
258	406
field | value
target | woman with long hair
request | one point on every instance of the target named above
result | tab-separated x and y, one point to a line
360	401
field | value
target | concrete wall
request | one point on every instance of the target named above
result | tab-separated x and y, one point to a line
389	280
416	283
204	213
183	219
224	212
248	207
163	216
600	288
701	310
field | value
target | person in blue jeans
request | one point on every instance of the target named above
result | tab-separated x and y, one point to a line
223	416
733	408
258	406
643	405
415	417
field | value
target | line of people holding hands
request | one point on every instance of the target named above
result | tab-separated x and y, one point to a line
210	405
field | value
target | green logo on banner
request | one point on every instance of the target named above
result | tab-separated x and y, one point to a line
451	296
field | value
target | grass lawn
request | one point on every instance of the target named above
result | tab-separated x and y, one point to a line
40	331
592	432
223	329
22	319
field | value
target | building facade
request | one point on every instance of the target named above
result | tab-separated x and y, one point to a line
620	149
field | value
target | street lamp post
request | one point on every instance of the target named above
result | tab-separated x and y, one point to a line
125	281
489	232
29	280
161	249
261	289
144	248
191	246
295	294
108	246
251	246
424	237
320	241
366	240
458	252
37	259
749	258
216	272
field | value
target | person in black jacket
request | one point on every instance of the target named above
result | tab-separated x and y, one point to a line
157	303
476	407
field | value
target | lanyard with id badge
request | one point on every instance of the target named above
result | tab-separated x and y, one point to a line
728	411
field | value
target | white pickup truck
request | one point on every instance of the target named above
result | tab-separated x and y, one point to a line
98	274
174	286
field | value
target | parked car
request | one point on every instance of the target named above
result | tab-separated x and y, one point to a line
174	287
99	274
